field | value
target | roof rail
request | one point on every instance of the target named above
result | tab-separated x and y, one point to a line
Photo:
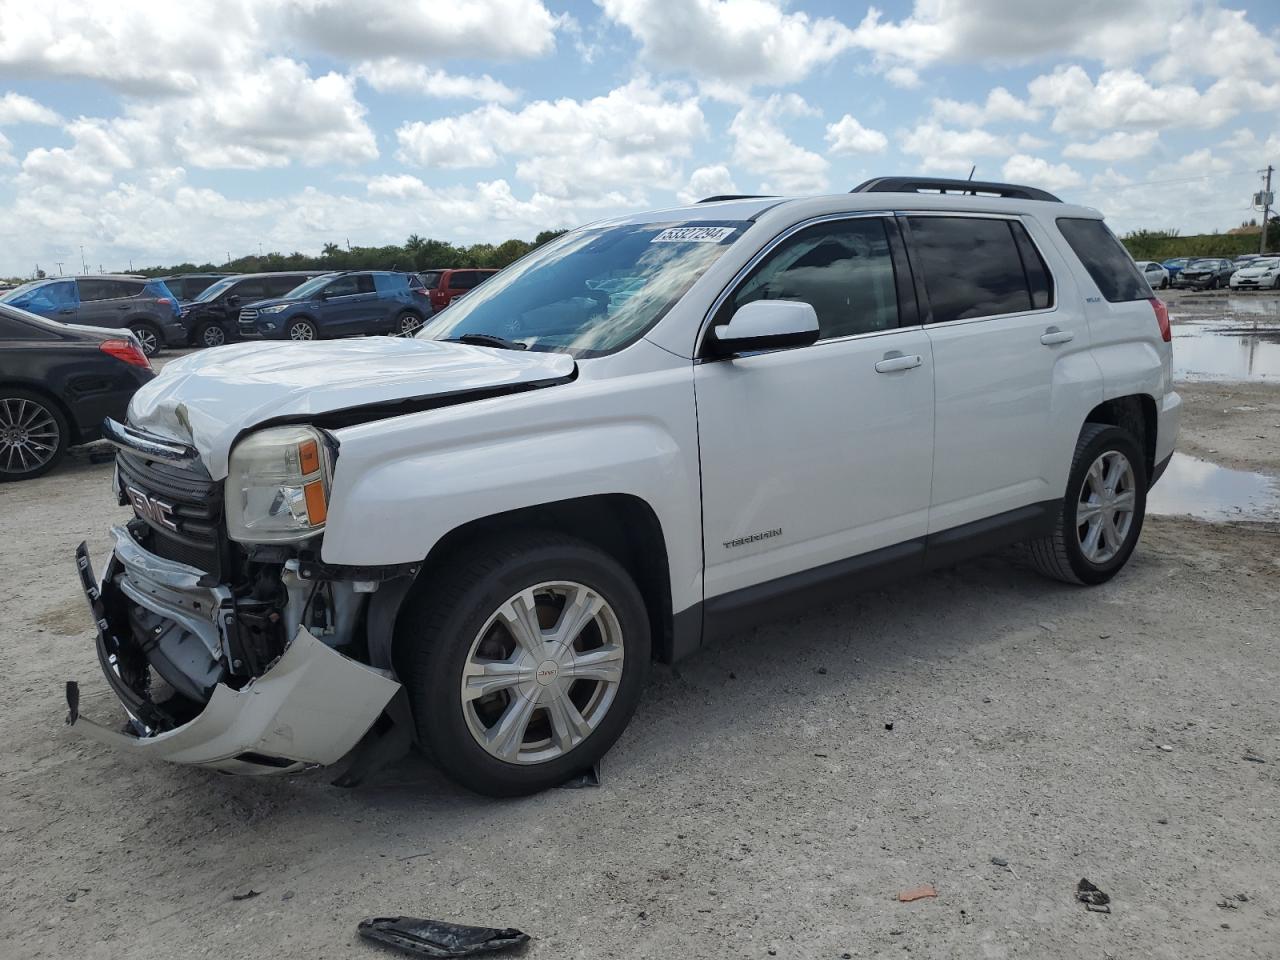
972	188
735	196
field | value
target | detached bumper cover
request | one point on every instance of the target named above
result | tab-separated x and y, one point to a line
310	707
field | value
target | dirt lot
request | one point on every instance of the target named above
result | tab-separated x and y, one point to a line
758	803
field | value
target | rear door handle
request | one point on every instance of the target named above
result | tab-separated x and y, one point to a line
1054	335
895	361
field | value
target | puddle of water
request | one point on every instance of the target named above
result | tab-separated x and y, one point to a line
1192	487
1226	351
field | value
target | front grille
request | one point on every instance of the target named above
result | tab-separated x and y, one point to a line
248	315
197	507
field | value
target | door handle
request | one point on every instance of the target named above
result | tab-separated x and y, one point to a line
895	360
1054	335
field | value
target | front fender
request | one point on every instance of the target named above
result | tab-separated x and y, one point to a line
402	484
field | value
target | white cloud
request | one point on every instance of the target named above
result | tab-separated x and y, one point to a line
1217	43
951	150
847	135
6	152
15	108
423	30
710	181
1000	106
1115	146
400	76
903	77
761	146
735	41
1038	172
633	137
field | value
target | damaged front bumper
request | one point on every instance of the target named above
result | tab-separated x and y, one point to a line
309	707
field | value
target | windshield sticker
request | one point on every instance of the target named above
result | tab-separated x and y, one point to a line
693	235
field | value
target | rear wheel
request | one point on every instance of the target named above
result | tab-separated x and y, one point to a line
1101	516
303	330
211	335
524	662
148	335
33	434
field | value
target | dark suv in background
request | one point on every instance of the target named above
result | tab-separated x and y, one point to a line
146	307
188	286
341	305
213	317
1207	273
445	285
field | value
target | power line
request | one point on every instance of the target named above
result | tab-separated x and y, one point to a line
1156	183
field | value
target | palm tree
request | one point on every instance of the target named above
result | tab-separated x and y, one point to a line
330	250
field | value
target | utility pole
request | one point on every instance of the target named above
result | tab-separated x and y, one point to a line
84	266
58	262
1266	206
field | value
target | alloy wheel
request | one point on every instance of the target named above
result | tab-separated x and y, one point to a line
301	331
542	673
29	435
1104	509
147	339
410	324
213	336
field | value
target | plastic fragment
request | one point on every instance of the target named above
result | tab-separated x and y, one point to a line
1092	898
437	938
917	893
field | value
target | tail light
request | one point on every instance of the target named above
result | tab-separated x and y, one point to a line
165	301
1162	318
125	350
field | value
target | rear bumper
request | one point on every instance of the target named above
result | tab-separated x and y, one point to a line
175	333
308	708
1170	419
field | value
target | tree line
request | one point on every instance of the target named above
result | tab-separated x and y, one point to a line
416	253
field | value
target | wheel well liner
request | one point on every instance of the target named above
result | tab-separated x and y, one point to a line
622	525
1135	413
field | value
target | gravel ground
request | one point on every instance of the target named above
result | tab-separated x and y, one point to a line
757	806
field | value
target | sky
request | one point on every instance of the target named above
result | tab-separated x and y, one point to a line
161	132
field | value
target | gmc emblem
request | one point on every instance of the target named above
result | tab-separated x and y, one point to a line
149	508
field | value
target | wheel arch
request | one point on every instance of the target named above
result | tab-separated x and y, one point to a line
621	525
1136	413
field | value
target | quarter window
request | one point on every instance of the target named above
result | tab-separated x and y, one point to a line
978	267
842	268
1106	261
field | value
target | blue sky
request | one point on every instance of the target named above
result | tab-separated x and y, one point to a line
153	132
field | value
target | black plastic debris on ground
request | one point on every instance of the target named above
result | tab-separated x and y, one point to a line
1093	898
435	938
247	895
587	778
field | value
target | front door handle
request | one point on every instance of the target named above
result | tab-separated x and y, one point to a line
1054	335
896	360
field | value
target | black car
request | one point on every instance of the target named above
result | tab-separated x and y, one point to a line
57	384
212	318
188	286
1208	273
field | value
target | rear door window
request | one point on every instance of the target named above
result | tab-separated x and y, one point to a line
390	282
341	287
93	290
1106	260
462	280
364	283
251	290
977	267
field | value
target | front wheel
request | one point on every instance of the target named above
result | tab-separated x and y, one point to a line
211	335
407	324
1101	516
524	662
303	330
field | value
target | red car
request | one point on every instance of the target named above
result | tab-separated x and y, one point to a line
444	285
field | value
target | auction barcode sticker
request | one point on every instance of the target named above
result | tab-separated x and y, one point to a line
693	235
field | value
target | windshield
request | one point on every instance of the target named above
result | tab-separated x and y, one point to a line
216	290
1268	264
592	291
1204	264
308	288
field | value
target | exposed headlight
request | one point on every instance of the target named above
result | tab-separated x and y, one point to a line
276	309
277	486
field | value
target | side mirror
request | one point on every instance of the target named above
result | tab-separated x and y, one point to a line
765	325
233	300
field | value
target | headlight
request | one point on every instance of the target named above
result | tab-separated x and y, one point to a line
276	309
278	485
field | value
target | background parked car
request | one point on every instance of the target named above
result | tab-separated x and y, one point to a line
1208	273
341	305
1260	272
1155	273
445	285
1174	266
57	384
188	286
146	307
213	317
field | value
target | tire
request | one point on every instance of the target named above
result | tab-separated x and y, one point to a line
1212	284
303	330
33	434
407	324
149	336
210	335
1062	555
1164	284
457	620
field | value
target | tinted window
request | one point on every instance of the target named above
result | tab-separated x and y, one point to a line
1039	283
255	289
972	267
364	283
1107	262
342	287
430	278
11	329
91	290
843	269
279	286
462	280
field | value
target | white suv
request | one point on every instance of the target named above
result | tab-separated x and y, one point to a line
652	430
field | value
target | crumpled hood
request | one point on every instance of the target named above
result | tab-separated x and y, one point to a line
208	398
